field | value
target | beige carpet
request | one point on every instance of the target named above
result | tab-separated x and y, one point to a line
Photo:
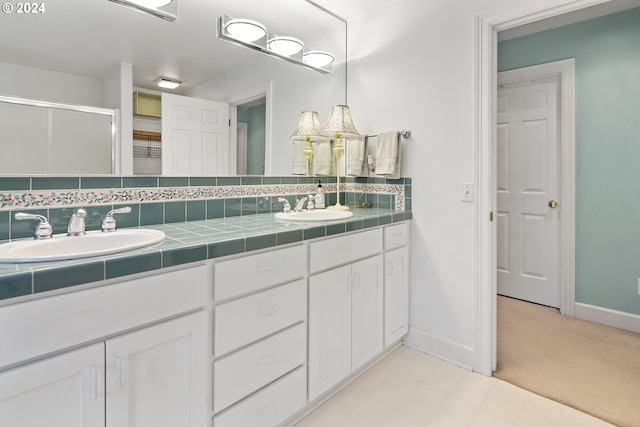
587	366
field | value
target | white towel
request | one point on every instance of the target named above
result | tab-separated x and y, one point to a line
388	159
322	158
355	156
299	162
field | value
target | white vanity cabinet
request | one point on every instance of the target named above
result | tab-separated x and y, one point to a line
61	391
345	307
260	335
146	336
396	282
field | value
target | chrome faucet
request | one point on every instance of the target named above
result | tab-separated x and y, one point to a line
109	222
300	203
77	224
286	208
43	229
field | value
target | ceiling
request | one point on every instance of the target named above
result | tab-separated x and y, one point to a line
90	38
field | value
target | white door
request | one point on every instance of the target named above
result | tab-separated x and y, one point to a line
396	295
528	220
367	295
156	377
329	329
61	391
195	136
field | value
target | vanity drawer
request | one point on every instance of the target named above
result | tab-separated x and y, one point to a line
271	406
242	321
396	236
251	368
344	249
254	272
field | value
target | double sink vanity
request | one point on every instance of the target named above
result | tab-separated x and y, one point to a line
244	321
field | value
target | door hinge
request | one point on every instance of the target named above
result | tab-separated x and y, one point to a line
491	216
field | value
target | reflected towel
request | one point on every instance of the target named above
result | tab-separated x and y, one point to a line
299	162
388	158
322	158
355	156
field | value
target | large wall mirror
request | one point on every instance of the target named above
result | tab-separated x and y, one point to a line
73	52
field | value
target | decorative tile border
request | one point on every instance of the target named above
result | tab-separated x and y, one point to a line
10	200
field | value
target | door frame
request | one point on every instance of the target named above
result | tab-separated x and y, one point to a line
261	91
487	25
565	70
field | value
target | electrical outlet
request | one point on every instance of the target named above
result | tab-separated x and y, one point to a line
466	192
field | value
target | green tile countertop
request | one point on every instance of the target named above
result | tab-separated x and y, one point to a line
186	242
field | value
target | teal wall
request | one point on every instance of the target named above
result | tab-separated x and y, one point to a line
256	119
607	57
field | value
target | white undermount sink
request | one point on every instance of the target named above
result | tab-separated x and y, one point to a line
313	216
93	243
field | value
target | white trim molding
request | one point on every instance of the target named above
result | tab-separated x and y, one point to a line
487	25
606	316
446	350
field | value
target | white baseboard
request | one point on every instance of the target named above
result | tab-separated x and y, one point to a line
605	316
454	353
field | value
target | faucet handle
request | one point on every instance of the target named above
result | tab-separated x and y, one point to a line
43	230
287	206
109	222
311	203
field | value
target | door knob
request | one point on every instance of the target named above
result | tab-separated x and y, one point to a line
553	204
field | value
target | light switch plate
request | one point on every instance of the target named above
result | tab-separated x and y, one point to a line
466	191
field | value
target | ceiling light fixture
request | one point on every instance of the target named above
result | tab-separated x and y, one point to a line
163	9
285	45
168	83
254	35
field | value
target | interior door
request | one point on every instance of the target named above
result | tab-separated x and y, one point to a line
195	136
528	220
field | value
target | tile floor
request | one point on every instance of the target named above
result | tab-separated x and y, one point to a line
412	389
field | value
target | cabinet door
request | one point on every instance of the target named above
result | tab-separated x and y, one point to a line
367	310
329	329
396	295
156	376
61	391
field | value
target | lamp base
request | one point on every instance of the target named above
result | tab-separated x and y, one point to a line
338	207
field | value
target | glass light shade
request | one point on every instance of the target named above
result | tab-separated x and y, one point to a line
340	124
308	127
168	83
317	58
246	30
152	3
285	45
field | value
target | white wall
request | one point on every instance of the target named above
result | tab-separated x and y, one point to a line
411	66
117	90
36	83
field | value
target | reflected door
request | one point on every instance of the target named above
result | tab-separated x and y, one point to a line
195	136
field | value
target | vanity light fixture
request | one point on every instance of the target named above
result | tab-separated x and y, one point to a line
317	58
163	9
285	45
308	130
339	125
168	83
291	49
245	30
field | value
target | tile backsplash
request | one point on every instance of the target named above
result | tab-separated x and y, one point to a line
157	200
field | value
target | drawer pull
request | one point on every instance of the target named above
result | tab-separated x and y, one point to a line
270	409
118	374
269	268
267	360
268	311
398	234
389	268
